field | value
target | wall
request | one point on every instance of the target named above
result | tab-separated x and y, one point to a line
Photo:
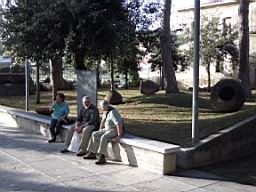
236	141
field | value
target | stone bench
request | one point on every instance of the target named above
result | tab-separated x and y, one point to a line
31	122
145	153
136	151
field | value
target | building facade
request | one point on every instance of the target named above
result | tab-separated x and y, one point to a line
227	11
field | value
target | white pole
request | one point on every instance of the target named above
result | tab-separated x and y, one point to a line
27	84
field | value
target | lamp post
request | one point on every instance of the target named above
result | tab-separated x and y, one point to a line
26	77
27	84
196	72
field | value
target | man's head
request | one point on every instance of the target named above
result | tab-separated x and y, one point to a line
104	105
86	101
60	97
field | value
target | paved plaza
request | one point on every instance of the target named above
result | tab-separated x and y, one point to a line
28	163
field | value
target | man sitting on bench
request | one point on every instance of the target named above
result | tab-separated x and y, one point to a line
87	122
111	127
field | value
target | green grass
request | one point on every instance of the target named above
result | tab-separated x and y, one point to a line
161	117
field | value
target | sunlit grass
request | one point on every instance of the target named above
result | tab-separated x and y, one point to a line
161	117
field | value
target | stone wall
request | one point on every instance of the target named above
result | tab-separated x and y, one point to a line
237	141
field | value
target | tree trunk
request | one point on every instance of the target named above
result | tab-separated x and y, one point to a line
161	78
208	70
58	72
165	43
98	73
37	84
244	73
126	79
112	86
53	64
79	62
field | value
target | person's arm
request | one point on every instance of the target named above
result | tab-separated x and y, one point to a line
118	121
119	127
94	117
102	124
79	119
63	118
52	106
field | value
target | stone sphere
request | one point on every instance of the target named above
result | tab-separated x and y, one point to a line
148	87
44	111
114	97
227	95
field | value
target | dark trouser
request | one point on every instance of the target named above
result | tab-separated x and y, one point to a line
55	127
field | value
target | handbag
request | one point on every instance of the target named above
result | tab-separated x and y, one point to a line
75	142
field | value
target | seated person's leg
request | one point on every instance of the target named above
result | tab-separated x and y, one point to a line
110	134
102	150
68	139
94	144
58	127
86	135
52	130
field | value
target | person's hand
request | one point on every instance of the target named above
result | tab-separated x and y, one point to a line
79	129
117	139
64	120
50	110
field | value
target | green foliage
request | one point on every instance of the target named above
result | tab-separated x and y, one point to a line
151	41
35	29
82	31
17	69
216	43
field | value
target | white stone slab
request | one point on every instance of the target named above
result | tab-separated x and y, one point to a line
149	144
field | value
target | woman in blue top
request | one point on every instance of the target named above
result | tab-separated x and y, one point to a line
59	116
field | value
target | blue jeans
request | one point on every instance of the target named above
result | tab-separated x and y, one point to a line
55	127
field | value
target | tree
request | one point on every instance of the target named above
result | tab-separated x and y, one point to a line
165	43
151	41
37	30
244	70
215	45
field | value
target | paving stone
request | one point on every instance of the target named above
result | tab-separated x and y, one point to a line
29	164
225	186
196	178
132	176
166	184
107	168
126	188
49	164
69	173
24	182
94	183
15	170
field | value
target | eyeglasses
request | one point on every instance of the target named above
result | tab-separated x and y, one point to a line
86	102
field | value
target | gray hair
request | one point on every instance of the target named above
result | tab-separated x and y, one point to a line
86	98
104	104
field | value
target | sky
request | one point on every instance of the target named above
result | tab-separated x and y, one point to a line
180	3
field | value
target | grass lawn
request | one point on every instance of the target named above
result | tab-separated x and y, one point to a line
161	117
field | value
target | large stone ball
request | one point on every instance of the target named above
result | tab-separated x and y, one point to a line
44	110
148	87
114	97
227	95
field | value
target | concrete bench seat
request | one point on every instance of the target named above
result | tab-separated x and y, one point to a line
152	155
145	153
30	121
